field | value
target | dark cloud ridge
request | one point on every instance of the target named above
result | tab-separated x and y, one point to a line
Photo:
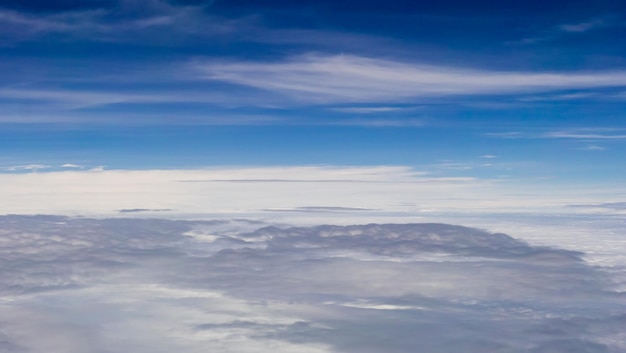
407	239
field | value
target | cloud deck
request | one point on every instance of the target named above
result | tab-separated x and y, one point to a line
106	285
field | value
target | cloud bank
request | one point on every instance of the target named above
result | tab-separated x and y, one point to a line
110	285
382	192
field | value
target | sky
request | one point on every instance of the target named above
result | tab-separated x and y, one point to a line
369	176
161	84
525	97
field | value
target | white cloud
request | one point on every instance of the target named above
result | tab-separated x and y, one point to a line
31	167
349	78
392	191
71	165
99	168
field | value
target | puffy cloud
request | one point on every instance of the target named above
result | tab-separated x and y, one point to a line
71	165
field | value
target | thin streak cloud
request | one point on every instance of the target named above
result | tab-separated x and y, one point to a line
373	110
574	135
593	148
75	99
582	27
28	167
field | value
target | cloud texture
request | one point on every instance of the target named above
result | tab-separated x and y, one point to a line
110	285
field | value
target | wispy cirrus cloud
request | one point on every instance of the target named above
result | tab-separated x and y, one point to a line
506	135
573	134
387	122
374	110
583	135
76	99
584	26
593	148
317	78
72	99
561	97
113	21
567	29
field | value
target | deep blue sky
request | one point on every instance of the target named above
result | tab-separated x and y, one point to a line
496	89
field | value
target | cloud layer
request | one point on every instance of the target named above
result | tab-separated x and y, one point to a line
376	192
110	285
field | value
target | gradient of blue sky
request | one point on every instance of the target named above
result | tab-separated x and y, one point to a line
437	86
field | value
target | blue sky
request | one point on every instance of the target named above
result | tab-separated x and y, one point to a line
486	89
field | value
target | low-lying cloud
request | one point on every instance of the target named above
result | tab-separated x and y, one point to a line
149	285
